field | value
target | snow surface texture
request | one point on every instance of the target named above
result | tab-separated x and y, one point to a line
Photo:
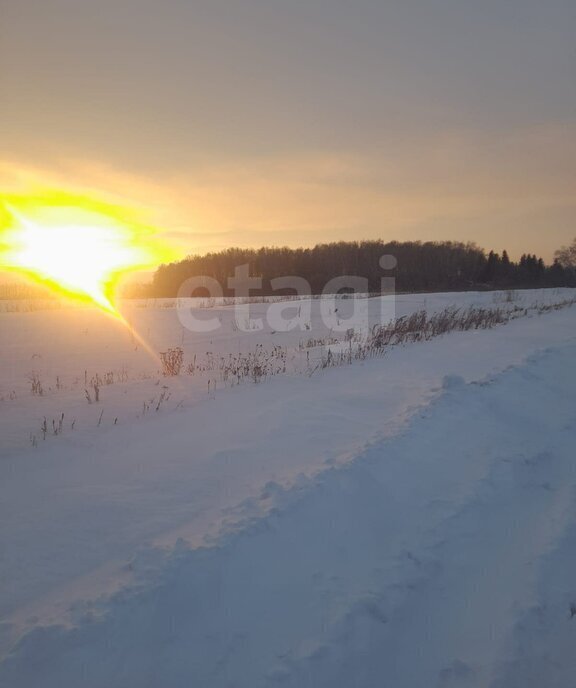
406	521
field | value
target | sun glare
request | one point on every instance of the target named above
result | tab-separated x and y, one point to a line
75	246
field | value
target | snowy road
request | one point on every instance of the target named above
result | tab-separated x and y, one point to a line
407	522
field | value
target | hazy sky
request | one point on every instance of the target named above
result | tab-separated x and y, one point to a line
251	122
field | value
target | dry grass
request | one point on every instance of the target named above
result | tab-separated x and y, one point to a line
172	361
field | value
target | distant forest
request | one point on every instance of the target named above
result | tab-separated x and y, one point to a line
429	266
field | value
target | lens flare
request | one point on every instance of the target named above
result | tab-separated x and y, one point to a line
74	245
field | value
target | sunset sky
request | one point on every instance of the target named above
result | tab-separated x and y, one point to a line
291	122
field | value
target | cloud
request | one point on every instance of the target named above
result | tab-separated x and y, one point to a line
499	190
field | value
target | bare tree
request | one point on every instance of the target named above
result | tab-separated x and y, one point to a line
566	255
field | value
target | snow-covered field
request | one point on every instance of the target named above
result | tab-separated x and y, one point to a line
406	520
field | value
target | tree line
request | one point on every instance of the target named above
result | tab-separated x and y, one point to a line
419	266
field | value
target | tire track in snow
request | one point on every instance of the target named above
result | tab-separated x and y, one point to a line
410	567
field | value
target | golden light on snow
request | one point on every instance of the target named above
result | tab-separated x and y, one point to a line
76	246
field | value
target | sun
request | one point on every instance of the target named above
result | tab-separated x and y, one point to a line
76	246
